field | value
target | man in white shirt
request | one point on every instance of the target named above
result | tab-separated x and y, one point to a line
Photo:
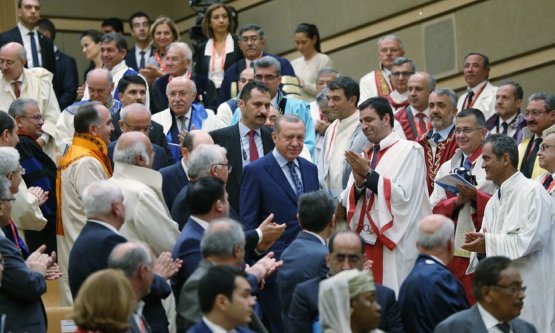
376	83
480	92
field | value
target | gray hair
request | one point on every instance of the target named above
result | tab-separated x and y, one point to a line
403	60
251	27
449	93
193	87
288	118
99	196
128	154
109	75
109	37
327	71
267	62
393	37
548	98
438	238
203	157
9	160
502	144
19	106
129	257
221	237
183	46
4	187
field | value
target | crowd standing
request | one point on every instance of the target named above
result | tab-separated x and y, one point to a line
217	187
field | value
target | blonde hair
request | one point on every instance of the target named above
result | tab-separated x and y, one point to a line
105	302
167	21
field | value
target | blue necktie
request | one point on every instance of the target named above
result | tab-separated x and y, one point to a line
467	165
436	137
142	61
374	161
295	176
34	50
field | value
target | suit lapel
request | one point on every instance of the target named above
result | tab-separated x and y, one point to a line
272	167
234	151
305	175
267	142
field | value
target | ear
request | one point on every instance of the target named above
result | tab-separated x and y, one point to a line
240	104
120	122
353	100
120	94
112	86
274	137
185	152
221	302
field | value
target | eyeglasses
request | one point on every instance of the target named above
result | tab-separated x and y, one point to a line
405	74
37	117
535	113
513	288
7	62
8	200
466	130
352	258
545	146
252	38
266	77
138	128
224	164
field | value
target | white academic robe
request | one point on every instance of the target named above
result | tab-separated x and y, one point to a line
147	218
37	84
520	227
401	202
26	213
368	84
464	216
75	178
485	102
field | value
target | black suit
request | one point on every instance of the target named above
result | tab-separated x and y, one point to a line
90	253
131	60
46	48
66	79
230	139
21	291
174	179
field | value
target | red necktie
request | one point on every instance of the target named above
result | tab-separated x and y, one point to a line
252	146
16	90
421	123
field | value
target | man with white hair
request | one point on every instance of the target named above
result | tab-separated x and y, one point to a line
178	61
147	219
376	83
183	114
431	293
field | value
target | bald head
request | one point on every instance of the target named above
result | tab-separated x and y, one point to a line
100	85
134	148
419	87
135	117
201	137
14	55
435	237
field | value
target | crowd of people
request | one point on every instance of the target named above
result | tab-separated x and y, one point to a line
219	188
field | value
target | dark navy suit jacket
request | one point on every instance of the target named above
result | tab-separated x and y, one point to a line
304	308
429	294
266	190
66	79
21	291
187	248
46	48
303	260
229	138
174	179
131	60
90	253
201	327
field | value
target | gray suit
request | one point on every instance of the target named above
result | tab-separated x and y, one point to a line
470	321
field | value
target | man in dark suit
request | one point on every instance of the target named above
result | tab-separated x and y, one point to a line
40	50
273	184
103	203
178	63
174	177
346	251
66	77
249	139
222	244
305	258
498	288
136	117
226	301
508	118
431	293
137	57
23	282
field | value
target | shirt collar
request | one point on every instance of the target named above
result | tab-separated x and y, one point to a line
478	86
282	161
185	167
214	327
202	222
489	320
244	130
444	132
323	241
106	225
24	30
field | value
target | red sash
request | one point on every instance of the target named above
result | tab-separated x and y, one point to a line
382	85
